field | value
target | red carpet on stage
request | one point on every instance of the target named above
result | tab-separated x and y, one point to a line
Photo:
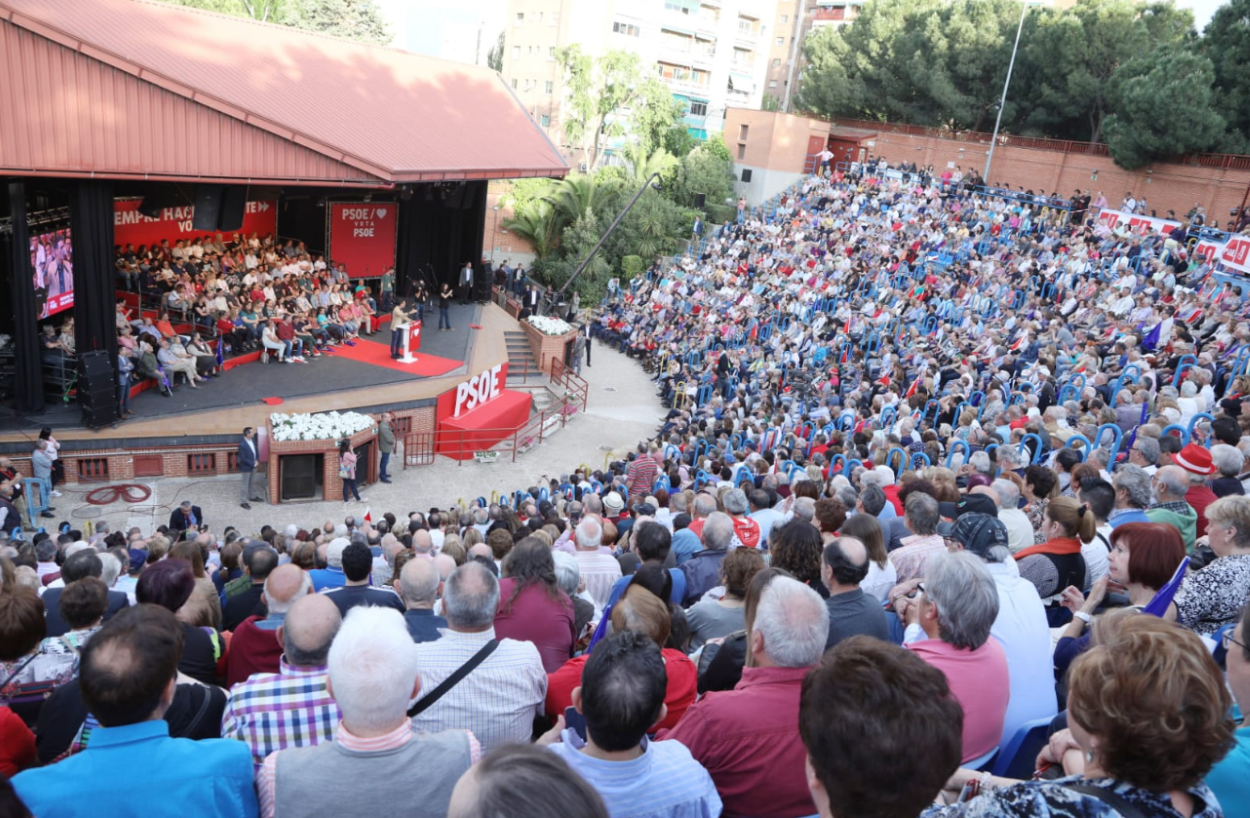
369	352
458	438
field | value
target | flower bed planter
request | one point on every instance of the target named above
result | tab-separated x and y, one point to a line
292	444
547	347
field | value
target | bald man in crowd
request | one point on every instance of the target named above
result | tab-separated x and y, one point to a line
290	708
420	584
254	647
851	611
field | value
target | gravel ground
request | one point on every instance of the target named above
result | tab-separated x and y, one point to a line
623	409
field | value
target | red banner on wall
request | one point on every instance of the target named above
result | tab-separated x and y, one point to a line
173	223
1134	223
362	237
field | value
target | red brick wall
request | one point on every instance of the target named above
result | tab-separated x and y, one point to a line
1165	186
546	348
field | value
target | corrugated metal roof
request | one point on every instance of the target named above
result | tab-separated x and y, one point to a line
384	113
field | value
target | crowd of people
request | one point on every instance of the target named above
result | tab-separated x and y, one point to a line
926	484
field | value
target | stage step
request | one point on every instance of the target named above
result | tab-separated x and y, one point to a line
523	370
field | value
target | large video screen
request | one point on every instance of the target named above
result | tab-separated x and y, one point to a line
52	259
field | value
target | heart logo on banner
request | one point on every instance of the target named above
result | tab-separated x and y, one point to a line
381	212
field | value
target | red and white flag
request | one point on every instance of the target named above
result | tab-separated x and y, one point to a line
368	514
911	390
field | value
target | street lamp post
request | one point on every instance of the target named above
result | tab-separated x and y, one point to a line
989	159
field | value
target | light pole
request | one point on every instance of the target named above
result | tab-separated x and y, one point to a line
1002	103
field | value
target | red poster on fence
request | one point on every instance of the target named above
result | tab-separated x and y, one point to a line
362	237
173	223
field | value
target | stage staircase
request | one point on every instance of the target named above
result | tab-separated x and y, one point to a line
523	371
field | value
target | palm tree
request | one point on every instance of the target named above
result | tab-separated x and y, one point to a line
573	197
643	165
536	222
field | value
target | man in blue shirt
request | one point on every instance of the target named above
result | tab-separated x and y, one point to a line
620	699
127	675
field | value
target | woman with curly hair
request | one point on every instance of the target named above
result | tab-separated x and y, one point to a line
532	606
796	548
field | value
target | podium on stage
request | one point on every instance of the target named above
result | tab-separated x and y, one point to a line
412	342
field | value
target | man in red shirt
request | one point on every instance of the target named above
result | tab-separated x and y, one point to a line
640	478
748	737
1196	461
286	334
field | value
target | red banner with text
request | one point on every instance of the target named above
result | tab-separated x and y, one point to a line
1134	223
173	223
362	237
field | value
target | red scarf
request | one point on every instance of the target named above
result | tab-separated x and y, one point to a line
1058	547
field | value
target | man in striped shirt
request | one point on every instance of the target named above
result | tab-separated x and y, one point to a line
640	478
293	707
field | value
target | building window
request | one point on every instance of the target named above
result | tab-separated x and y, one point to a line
742	150
628	29
514	83
742	133
745	26
549	87
785	18
781	41
551	52
516	52
554	20
777	62
698	108
520	18
772	83
670	5
544	121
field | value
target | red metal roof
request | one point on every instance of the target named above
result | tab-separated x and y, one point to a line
136	87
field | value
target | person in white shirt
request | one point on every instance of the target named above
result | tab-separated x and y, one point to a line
499	700
1019	529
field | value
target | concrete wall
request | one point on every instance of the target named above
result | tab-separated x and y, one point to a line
764	183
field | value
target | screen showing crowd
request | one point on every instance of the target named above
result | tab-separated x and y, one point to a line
52	259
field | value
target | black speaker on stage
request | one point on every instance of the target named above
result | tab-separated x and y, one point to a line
97	389
208	200
482	278
232	206
700	199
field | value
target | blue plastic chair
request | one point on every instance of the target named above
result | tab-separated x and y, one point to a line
36	502
1019	753
983	762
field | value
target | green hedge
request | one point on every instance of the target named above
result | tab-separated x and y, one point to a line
720	214
632	266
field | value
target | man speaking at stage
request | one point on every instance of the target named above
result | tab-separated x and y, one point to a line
247	466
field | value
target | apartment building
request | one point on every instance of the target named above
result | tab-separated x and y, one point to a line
795	19
710	53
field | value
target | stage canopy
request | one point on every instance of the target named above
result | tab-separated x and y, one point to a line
136	89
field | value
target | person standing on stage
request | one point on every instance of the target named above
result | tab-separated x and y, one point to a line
444	303
124	367
401	317
466	283
387	289
247	466
421	295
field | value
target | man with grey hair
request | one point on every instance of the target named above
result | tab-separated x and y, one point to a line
1010	459
332	575
788	637
981	464
1145	454
569	578
703	507
948	625
500	699
1019	529
702	570
599	570
373	674
921	516
746	529
419	585
1132	486
1020	627
1171	484
872	501
290	708
804	509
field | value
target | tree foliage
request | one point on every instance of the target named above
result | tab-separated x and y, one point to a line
705	170
603	96
942	63
494	57
359	20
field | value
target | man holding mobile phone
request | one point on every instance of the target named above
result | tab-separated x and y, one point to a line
603	736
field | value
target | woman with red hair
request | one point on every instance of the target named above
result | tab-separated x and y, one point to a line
1143	557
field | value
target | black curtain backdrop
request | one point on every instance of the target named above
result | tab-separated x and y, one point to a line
29	386
437	236
95	285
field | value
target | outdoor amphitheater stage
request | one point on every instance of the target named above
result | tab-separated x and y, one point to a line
361	378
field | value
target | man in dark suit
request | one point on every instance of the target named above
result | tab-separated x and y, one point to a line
81	564
247	466
584	331
186	516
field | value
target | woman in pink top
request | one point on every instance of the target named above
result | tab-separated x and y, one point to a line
948	625
532	607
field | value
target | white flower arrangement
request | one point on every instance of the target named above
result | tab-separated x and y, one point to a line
323	426
550	326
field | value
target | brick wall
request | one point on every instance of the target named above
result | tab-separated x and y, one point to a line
1165	186
125	465
546	348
